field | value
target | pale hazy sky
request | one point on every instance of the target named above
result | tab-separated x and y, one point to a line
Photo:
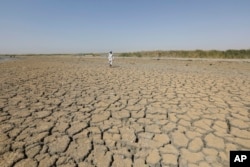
80	26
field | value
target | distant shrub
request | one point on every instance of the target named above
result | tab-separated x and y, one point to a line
228	54
125	55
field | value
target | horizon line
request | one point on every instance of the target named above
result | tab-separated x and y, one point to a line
158	50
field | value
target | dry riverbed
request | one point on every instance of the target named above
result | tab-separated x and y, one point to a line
76	111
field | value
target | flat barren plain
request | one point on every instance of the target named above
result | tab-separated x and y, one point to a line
72	111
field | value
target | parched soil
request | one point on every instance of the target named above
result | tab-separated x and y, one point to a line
77	112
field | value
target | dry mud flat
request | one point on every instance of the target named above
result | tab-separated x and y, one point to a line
75	111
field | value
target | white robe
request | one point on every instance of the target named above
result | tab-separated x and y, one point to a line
110	58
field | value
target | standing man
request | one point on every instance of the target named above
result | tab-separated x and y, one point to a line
110	58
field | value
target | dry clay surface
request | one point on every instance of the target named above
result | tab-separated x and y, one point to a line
77	112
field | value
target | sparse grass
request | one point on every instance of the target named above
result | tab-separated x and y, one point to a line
228	54
132	54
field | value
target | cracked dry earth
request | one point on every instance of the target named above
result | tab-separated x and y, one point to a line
77	112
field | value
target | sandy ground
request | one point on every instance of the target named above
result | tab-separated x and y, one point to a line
76	111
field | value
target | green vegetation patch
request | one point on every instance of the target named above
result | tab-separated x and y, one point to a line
228	54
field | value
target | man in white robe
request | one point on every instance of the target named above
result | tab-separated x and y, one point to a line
110	58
